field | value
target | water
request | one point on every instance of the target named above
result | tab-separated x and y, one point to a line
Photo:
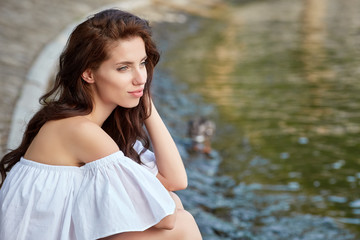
284	77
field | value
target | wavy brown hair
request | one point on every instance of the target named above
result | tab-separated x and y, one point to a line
88	46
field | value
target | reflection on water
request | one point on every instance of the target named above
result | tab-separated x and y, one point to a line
285	77
313	39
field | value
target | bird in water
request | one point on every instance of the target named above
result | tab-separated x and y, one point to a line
201	130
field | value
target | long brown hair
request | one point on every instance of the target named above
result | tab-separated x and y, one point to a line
88	47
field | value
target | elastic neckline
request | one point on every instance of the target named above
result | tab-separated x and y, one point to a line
90	165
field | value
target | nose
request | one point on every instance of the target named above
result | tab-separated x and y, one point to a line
140	76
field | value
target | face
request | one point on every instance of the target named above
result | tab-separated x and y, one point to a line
120	80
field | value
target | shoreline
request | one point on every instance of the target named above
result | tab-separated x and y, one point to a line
223	208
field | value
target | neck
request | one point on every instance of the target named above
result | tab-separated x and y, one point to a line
100	111
99	115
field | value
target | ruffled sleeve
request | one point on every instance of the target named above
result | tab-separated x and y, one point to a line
118	195
147	158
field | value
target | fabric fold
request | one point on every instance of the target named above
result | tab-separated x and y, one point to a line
111	195
123	197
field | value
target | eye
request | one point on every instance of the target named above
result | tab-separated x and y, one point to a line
143	63
122	69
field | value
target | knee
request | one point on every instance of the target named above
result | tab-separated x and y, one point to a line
188	225
177	200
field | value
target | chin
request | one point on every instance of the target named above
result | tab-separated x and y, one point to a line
130	105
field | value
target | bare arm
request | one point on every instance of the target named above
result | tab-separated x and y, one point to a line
172	173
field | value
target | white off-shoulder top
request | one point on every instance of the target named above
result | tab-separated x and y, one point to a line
111	195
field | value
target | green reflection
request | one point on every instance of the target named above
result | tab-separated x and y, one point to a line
285	81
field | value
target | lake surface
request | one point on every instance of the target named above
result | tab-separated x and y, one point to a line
284	77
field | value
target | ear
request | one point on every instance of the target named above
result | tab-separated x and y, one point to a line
88	76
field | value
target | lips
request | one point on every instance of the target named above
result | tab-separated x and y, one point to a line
137	93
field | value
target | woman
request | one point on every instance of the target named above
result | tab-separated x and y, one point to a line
82	170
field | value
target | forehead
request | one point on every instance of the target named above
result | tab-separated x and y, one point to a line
127	49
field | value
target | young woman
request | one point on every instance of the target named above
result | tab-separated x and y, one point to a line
83	170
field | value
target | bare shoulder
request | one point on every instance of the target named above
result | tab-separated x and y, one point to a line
87	140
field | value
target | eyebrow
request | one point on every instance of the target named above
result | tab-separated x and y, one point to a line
130	63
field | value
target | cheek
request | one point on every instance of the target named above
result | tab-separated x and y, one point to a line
115	80
144	74
107	86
